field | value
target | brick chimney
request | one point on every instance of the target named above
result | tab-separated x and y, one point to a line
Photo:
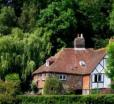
79	42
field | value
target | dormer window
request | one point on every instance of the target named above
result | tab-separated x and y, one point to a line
82	63
50	61
47	62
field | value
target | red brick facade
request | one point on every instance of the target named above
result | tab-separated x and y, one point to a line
72	82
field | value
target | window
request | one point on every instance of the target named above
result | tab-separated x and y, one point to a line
82	63
62	77
98	78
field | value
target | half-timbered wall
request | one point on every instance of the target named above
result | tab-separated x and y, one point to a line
98	77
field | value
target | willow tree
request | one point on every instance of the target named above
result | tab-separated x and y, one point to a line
23	52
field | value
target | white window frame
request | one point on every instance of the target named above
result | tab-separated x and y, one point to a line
62	77
98	81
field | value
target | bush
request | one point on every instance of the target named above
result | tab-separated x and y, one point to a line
34	87
95	91
53	86
67	99
15	80
12	77
8	93
7	99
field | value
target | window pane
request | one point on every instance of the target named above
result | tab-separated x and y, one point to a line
64	77
99	78
95	78
60	76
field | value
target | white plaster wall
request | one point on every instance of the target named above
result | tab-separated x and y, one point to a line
107	82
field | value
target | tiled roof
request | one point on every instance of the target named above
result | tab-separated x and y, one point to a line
68	61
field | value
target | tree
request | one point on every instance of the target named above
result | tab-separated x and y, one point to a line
21	52
53	86
110	61
59	17
7	20
93	21
111	21
27	20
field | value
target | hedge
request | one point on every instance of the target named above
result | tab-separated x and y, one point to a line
67	99
8	99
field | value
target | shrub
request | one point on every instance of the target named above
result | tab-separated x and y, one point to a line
95	91
8	92
34	87
15	80
12	77
7	99
53	86
67	99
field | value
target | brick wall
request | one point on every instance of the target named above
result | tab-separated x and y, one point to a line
72	82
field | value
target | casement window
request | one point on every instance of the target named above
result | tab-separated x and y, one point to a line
98	78
62	77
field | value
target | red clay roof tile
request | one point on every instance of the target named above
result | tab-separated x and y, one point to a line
68	61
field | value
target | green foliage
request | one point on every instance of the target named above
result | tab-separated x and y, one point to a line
95	91
8	88
68	99
58	17
7	99
34	87
111	21
94	21
100	42
52	86
110	61
7	20
8	91
21	52
12	77
28	18
37	29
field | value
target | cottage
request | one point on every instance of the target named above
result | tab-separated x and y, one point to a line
79	69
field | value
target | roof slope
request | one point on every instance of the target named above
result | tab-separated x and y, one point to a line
68	61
